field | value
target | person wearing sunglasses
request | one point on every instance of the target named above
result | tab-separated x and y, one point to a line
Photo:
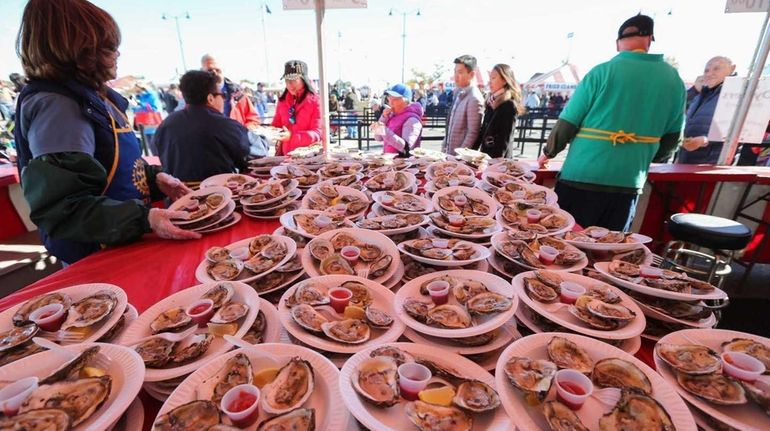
200	141
298	111
236	104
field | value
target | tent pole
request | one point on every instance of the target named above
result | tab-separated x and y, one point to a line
320	9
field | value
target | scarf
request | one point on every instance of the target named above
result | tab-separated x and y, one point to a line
498	97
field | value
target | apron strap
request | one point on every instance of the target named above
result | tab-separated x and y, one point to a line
115	159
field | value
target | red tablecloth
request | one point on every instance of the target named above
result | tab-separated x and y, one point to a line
11	224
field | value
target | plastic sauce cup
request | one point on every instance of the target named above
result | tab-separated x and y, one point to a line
742	366
570	291
456	219
439	291
14	395
573	388
351	253
387	199
650	271
201	311
241	405
412	378
322	221
240	253
339	298
533	215
49	317
460	200
548	254
340	209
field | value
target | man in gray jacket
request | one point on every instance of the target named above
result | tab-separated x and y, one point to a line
465	117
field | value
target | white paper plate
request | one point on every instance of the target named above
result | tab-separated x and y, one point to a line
312	266
341	190
502	166
132	419
559	313
480	252
526	182
329	414
470	192
484	323
630	346
141	326
394	418
459	169
498	262
529	418
382	299
125	367
743	417
267	202
291	248
273	214
411	182
77	293
638	239
557	210
220	180
499	237
221	215
287	221
184	200
488	234
236	218
655	314
288	199
507	334
397	231
603	268
377	197
393	281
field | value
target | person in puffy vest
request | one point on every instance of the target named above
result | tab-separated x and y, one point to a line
400	126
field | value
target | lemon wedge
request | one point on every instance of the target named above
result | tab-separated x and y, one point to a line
354	312
92	372
264	376
439	396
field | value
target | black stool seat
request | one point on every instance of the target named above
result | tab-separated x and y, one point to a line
708	231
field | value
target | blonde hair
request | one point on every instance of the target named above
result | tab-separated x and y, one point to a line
512	87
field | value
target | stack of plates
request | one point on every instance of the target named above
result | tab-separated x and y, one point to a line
305	175
667	311
273	207
235	182
483	336
394	202
261	167
539	316
211	209
514	168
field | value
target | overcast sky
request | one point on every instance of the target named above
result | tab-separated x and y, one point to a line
529	35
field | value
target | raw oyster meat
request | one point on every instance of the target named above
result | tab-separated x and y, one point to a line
487	303
689	358
307	317
717	388
351	331
376	380
90	310
476	396
172	320
291	387
566	354
429	417
220	294
236	371
78	398
449	316
197	415
636	411
230	312
307	293
533	376
225	270
617	373
336	264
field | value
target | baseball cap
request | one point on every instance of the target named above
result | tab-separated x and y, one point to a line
639	25
400	90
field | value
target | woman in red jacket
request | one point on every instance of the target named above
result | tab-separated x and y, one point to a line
298	111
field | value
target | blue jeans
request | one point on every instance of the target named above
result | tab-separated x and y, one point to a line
614	211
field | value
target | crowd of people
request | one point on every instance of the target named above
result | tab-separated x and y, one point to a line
91	185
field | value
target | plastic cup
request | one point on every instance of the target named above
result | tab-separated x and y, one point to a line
387	199
49	317
201	311
742	366
533	215
570	291
241	405
240	253
460	200
351	253
232	185
456	219
573	388
339	298
650	271
14	395
412	378
438	291
322	221
548	254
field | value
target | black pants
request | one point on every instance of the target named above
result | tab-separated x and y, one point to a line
614	211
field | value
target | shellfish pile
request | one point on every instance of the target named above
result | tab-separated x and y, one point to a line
264	252
304	176
459	202
526	252
327	255
549	220
445	250
335	200
207	209
270	199
401	202
439	169
390	180
333	170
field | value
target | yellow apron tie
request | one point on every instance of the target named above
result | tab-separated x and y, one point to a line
619	137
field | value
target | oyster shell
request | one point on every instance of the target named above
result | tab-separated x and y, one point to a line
307	317
580	311
21	317
307	293
378	318
255	334
636	411
191	348
17	336
750	347
220	294
717	388
336	264
236	371
71	369
429	417
449	316
259	242
291	387
361	295
172	320
759	392
394	353
566	354
217	254
230	312
463	290
540	291
609	311
376	380
38	420
531	375
155	352
617	373
689	358
350	331
320	248
90	310
225	270
549	278
417	309
380	266
295	420
342	239
476	396
197	415
78	398
369	252
13	355
489	302
477	340
561	417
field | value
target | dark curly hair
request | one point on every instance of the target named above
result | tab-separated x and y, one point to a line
63	40
196	85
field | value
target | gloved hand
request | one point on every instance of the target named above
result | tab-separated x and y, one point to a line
171	186
160	223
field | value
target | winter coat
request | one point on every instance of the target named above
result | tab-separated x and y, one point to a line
307	127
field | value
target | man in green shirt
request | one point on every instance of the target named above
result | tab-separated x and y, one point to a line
625	113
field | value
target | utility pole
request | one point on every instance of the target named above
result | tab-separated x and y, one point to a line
178	33
264	40
416	12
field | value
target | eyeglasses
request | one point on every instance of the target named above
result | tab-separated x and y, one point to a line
292	114
214	70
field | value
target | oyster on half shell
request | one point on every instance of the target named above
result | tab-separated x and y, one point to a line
307	293
172	320
17	336
197	415
529	375
376	380
689	358
749	347
220	294
449	316
71	369
378	318
236	371
429	417
191	348
561	417
336	264
230	312
295	420
636	411
291	387
566	354
155	352
476	396
617	373
350	331
717	388
380	266
307	317
38	420
78	398
21	316
394	353
488	303
91	310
